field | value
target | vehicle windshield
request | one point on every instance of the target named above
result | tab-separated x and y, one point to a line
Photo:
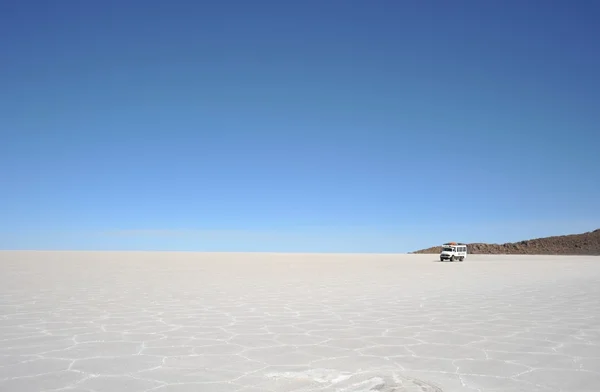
447	249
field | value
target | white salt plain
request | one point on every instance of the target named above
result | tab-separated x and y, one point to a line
180	322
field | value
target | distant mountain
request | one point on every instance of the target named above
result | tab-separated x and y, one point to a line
573	244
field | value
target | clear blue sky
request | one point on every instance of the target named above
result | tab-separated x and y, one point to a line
316	126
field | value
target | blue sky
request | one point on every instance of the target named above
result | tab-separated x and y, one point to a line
296	126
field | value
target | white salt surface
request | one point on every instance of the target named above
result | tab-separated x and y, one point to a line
179	322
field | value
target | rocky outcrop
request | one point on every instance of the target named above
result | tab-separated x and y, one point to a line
573	244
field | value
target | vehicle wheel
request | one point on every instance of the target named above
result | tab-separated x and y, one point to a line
451	258
462	258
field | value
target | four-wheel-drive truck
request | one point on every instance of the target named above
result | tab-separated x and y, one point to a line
453	251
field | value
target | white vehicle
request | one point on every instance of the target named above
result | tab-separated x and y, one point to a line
453	251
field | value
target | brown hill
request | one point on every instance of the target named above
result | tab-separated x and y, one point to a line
573	244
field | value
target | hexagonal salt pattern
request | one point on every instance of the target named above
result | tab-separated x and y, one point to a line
178	322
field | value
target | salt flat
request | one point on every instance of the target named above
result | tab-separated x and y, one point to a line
179	322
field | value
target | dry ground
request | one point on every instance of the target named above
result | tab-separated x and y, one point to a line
175	322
